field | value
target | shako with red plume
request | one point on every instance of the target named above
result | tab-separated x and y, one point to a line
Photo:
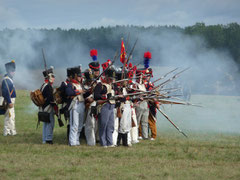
94	65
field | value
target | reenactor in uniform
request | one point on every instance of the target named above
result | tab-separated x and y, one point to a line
103	93
49	106
66	100
91	124
142	110
77	107
9	94
125	123
133	135
153	104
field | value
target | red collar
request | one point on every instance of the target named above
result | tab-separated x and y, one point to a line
47	81
74	81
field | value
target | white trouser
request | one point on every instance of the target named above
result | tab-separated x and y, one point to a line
142	112
76	123
91	127
9	121
116	124
134	130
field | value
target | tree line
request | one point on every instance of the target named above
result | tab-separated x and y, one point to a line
13	42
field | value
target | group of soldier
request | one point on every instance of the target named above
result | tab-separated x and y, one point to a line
102	105
109	107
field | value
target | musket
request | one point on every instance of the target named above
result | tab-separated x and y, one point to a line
162	77
44	60
118	81
168	89
127	42
127	79
171	122
126	61
180	103
164	101
133	94
170	79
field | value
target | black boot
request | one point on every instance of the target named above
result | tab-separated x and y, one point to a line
68	131
119	139
125	139
49	142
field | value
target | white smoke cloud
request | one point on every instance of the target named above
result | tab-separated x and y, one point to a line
212	71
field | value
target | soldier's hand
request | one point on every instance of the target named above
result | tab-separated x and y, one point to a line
10	105
81	91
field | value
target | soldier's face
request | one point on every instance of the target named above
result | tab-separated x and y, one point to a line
79	78
51	79
96	73
12	73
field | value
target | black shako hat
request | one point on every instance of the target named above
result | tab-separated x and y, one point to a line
119	74
110	72
69	72
48	72
10	66
76	70
95	66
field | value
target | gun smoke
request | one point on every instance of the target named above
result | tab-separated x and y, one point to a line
212	72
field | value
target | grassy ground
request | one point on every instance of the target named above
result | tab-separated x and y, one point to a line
171	156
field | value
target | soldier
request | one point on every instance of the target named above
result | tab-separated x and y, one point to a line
125	123
66	101
48	108
9	94
117	109
142	110
77	107
91	125
133	135
153	104
102	94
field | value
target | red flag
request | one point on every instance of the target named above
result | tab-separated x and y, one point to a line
123	53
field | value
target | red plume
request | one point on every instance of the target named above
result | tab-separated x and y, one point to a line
105	65
130	65
134	68
147	55
109	61
93	52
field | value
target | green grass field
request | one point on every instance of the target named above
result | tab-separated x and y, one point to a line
206	154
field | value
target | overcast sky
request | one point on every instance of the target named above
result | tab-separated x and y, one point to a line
94	13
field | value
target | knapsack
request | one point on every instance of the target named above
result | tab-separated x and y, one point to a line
37	96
